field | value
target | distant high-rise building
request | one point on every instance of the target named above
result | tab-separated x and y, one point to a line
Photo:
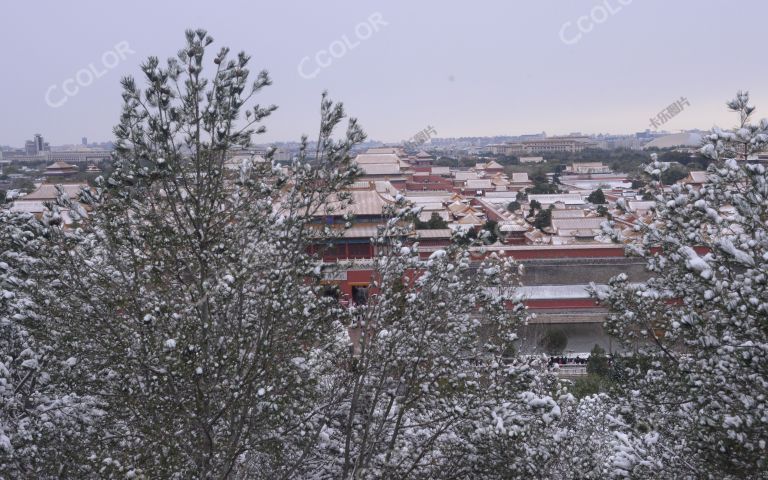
84	141
39	143
36	146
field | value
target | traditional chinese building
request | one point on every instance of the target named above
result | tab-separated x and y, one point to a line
422	159
60	169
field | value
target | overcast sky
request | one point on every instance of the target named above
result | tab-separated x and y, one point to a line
466	68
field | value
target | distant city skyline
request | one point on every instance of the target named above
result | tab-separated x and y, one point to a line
508	68
374	140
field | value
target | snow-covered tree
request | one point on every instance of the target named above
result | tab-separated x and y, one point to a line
179	328
428	365
695	399
547	436
186	294
43	420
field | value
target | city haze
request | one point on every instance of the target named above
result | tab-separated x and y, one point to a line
506	68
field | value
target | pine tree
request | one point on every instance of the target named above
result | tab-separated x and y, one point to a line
597	197
543	219
513	206
697	381
43	422
431	363
187	296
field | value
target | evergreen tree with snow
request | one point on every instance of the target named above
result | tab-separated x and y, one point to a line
179	329
44	421
430	367
696	382
186	296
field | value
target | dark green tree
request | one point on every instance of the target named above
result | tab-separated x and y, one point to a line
674	173
597	197
539	175
543	219
553	342
598	362
489	230
535	205
543	189
435	222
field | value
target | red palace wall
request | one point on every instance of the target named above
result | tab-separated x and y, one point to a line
554	252
363	277
557	303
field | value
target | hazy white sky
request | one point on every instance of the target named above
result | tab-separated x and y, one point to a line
466	68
